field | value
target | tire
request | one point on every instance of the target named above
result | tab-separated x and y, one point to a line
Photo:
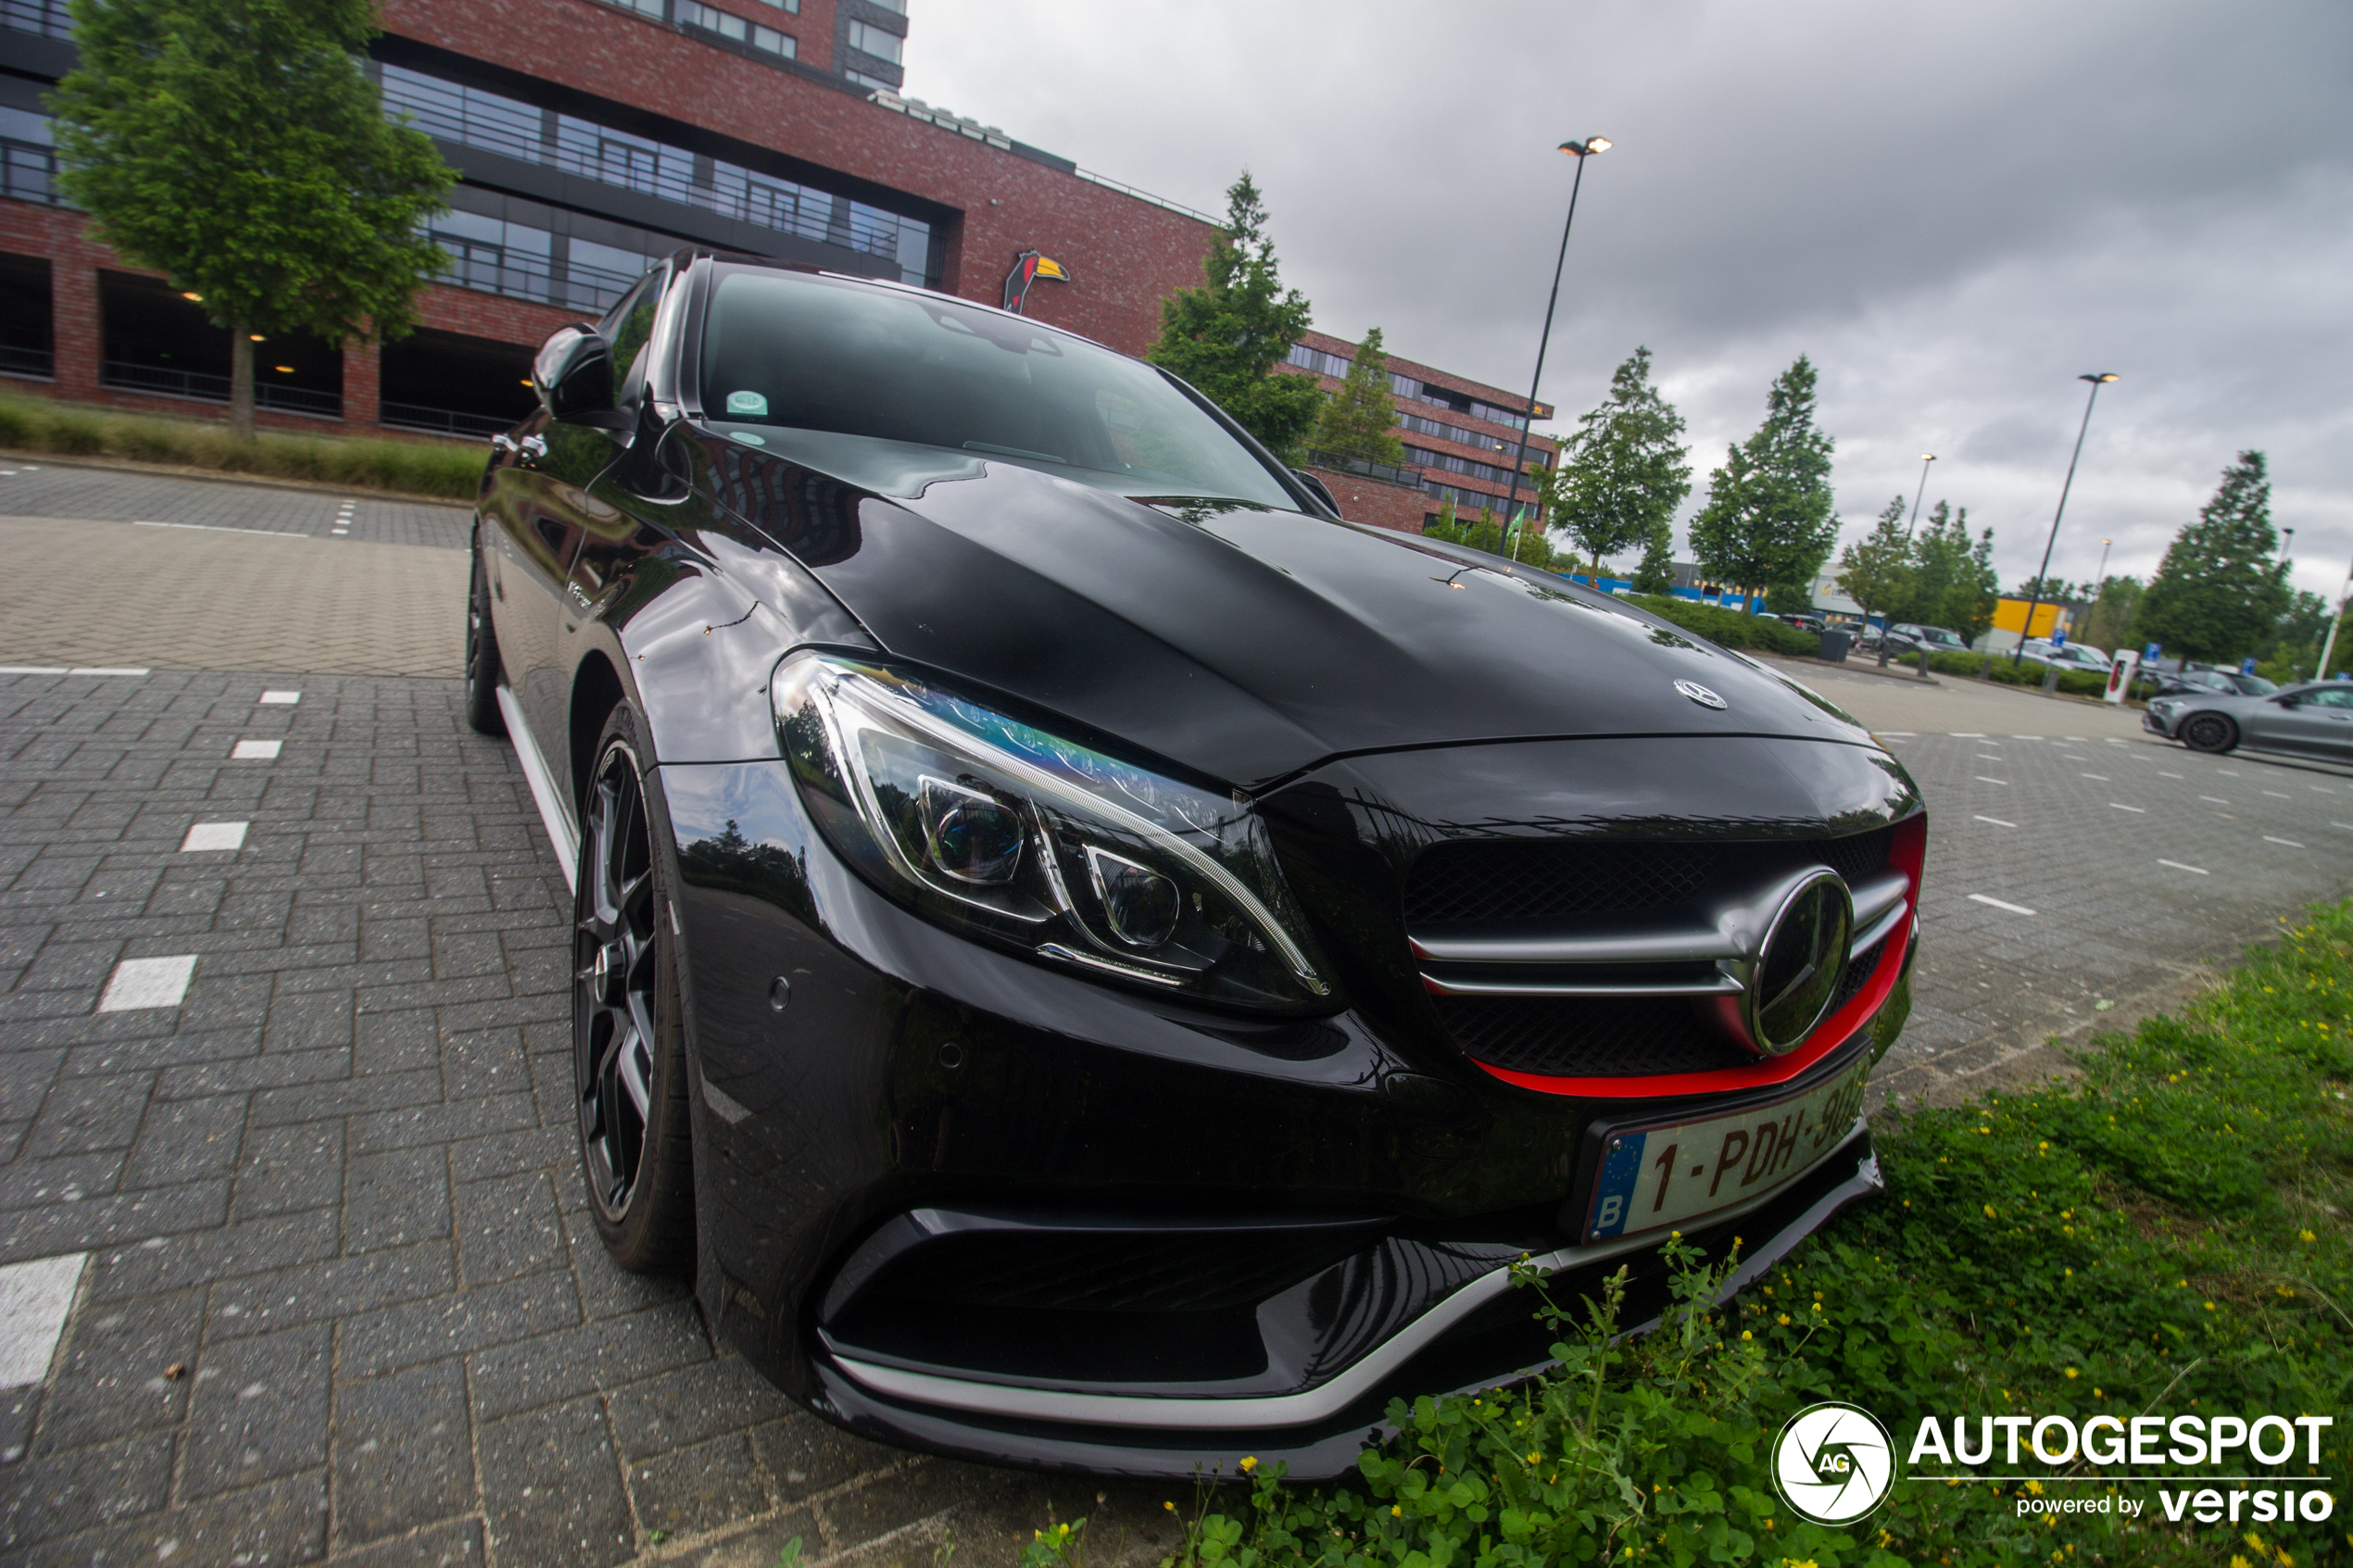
629	1057
2215	732
482	655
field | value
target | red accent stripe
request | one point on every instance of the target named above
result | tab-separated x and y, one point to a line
1907	855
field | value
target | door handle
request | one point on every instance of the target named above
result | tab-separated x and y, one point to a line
502	442
534	446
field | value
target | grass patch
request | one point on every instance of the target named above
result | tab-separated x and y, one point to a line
2166	1235
1730	628
419	467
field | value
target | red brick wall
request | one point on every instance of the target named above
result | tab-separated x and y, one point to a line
1123	255
1369	500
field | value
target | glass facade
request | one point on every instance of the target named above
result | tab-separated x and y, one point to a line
47	17
868	39
735	29
28	165
475	117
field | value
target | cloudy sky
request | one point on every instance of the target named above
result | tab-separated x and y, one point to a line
1954	209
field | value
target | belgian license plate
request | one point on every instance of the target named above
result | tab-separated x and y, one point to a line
1652	1178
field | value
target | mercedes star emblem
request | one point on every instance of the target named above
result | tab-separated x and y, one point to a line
1699	693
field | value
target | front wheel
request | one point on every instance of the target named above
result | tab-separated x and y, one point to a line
2209	732
628	1050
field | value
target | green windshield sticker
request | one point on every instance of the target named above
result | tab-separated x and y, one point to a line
747	438
746	403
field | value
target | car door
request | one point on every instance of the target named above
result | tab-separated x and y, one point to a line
2315	722
555	509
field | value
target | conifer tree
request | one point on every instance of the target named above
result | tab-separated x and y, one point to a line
1360	421
1626	470
1876	571
239	146
1656	575
2219	594
1226	336
1769	519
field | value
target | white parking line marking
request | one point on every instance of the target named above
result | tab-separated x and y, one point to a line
31	668
2120	806
2320	789
34	1298
1968	734
2228	773
2102	777
2347	826
2289	842
148	983
2072	757
2277	796
2179	867
1989	756
214	835
255	750
216	528
282	699
2163	774
1997	822
1908	734
1982	779
2216	799
2000	904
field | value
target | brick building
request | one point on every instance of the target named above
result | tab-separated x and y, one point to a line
590	135
1459	437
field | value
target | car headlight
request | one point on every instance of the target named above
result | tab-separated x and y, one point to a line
1004	833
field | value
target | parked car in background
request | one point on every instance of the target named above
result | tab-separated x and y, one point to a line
2312	720
1807	620
2177	683
2066	656
1904	637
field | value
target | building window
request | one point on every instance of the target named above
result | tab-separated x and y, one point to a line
876	82
711	20
1315	361
791	7
27	166
47	17
643	7
25	316
897	5
475	119
868	39
1454	433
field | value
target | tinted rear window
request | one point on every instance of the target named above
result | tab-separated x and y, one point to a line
812	353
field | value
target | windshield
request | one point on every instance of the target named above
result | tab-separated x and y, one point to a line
2254	685
819	354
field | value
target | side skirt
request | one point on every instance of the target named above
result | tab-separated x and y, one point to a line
554	815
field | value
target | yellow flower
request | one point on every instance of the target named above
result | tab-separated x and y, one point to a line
1170	1505
2072	1374
1250	1462
1395	1512
1989	1210
2306	1236
1746	1335
1783	1320
2036	1487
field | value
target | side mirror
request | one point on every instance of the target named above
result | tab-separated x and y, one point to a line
572	375
1318	489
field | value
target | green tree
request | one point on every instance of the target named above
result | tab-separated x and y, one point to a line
2111	622
1945	582
1361	421
1973	600
2219	594
1626	470
1226	336
1656	575
238	146
1876	571
1768	518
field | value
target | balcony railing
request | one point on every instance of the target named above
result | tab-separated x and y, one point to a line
28	363
47	17
215	389
1387	473
447	422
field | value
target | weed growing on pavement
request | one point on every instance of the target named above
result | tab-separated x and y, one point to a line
417	468
2167	1234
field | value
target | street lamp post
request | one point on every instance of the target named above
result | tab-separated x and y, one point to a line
1581	151
2034	600
1926	458
2100	578
2328	647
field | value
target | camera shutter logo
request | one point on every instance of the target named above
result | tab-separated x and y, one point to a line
1834	1463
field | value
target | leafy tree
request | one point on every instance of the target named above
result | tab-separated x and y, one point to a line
1656	575
1876	571
1493	533
2219	594
1226	336
2111	622
1974	598
238	146
1768	517
1625	471
1947	580
1361	421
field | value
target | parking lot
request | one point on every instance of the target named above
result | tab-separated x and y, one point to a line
330	1292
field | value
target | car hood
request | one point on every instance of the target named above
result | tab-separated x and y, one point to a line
1244	643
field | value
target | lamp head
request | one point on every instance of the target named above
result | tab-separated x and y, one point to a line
1587	147
1928	457
2100	379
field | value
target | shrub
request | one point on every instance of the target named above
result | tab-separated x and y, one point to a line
1730	628
445	469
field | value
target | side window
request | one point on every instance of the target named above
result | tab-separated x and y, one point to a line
2331	697
631	323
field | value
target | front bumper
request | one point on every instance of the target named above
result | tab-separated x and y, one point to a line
946	1197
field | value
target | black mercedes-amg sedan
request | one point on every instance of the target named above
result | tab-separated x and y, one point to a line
1093	961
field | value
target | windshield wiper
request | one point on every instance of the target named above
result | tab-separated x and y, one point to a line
1014	452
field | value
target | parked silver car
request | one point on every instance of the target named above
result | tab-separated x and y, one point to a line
2312	720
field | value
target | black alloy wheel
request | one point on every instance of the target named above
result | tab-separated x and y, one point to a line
482	654
2209	732
629	1057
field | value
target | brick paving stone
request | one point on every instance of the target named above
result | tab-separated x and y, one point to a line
343	1174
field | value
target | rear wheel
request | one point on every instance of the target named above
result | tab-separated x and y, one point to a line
629	1053
2209	732
481	656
